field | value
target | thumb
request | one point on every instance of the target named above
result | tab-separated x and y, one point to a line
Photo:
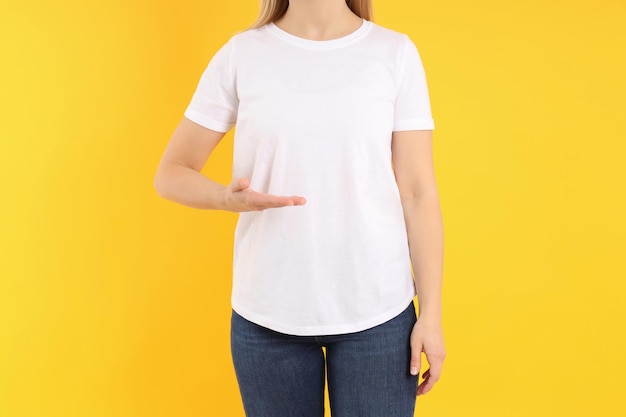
416	356
240	184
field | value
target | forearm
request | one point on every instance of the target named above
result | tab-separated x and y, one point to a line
189	187
424	224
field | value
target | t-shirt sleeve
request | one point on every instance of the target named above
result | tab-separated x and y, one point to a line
412	107
214	103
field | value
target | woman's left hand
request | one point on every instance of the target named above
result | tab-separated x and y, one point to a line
427	337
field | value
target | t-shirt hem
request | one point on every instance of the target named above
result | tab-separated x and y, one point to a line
323	330
209	123
414	124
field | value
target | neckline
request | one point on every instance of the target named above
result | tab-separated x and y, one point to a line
320	44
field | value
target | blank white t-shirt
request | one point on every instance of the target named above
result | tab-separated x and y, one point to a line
315	118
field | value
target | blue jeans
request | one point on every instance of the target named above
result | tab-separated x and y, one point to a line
282	375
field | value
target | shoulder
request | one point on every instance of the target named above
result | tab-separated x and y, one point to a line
393	46
246	42
248	36
387	36
237	44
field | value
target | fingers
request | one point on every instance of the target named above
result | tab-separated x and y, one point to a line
421	389
240	184
297	200
416	351
261	201
436	365
242	198
432	374
428	383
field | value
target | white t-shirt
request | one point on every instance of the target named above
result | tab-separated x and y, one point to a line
315	118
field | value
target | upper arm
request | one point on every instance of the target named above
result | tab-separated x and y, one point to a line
190	145
412	159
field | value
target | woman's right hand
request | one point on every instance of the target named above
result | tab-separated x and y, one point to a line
179	178
238	197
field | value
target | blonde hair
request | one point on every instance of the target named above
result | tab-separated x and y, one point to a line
272	10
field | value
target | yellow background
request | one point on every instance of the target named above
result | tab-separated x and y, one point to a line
114	302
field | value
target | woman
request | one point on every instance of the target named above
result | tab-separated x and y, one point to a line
324	101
